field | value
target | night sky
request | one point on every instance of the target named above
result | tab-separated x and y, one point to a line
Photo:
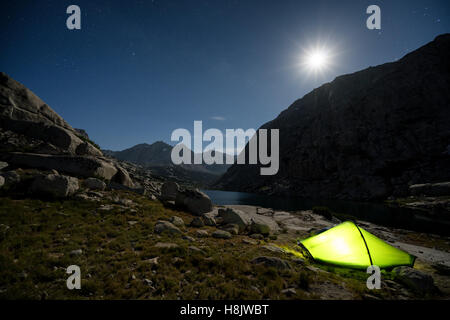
137	70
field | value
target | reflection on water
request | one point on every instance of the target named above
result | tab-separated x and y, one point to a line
374	212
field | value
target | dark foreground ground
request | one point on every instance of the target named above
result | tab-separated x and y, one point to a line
110	235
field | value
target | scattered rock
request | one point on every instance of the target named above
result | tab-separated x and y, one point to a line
55	185
2	181
272	262
195	249
209	220
261	228
417	280
132	222
166	245
255	288
3	165
162	226
94	194
197	222
256	236
94	184
231	228
177	260
289	292
177	221
221	234
76	252
248	241
194	201
152	261
202	233
106	207
273	248
149	283
188	238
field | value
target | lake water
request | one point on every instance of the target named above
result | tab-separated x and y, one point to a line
369	211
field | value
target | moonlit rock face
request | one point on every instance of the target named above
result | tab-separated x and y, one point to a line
363	135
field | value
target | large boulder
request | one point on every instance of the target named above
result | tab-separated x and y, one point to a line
54	185
221	234
260	228
94	184
169	191
194	201
24	113
235	216
245	220
416	280
177	221
163	225
122	177
197	222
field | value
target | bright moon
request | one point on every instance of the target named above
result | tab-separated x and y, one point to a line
317	60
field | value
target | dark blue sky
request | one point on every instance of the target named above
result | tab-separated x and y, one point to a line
137	70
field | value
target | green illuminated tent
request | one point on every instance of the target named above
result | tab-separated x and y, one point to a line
351	246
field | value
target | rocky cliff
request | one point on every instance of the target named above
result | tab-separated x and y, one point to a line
32	135
366	135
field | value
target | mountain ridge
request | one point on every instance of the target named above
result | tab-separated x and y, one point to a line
365	135
157	158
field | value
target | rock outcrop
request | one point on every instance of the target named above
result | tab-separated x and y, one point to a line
82	166
247	221
194	201
24	113
366	135
54	185
417	280
94	184
32	135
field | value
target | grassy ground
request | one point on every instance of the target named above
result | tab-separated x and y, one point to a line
116	247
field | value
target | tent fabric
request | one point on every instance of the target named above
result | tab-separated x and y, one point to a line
351	246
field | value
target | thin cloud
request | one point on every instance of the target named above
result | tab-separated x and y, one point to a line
219	118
